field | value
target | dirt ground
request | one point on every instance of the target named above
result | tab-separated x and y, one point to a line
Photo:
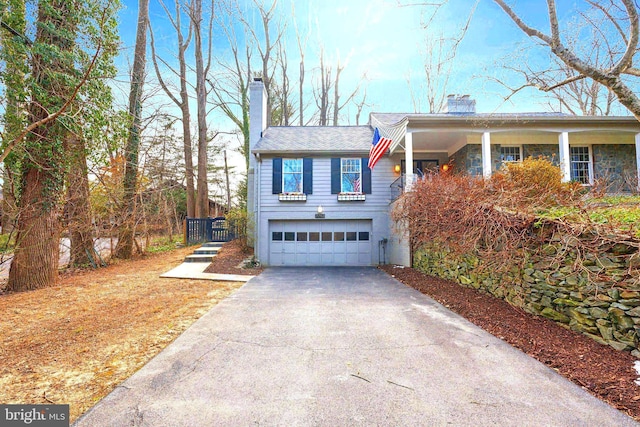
74	342
603	371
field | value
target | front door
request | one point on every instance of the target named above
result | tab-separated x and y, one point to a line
422	167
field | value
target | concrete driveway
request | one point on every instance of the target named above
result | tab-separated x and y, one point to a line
338	347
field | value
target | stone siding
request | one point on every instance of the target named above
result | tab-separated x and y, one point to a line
468	160
551	152
600	300
615	163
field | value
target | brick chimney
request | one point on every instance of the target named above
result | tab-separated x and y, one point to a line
459	104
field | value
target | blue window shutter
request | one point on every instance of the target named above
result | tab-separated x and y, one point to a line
366	176
277	175
335	176
307	175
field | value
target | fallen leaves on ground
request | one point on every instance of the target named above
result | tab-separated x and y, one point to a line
603	371
75	342
231	260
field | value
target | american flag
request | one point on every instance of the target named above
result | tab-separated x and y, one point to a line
379	146
356	186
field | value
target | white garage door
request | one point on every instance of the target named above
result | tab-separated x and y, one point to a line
301	243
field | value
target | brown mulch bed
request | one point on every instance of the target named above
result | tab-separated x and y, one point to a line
603	371
231	260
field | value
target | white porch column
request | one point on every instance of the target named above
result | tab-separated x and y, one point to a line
565	156
408	161
638	158
486	154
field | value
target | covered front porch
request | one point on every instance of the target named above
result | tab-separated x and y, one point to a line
587	149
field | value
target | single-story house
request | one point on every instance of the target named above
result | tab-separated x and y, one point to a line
313	200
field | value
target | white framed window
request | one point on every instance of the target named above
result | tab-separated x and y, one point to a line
581	170
351	175
292	176
510	153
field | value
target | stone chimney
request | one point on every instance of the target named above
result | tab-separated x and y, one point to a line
459	104
257	124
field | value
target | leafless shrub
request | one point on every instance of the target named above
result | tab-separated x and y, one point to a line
499	218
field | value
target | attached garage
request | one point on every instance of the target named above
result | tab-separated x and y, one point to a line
320	242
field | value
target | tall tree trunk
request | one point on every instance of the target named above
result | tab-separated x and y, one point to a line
183	102
78	207
35	261
13	55
226	173
202	204
186	125
124	247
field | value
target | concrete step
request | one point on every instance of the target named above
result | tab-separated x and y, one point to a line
199	258
206	251
212	245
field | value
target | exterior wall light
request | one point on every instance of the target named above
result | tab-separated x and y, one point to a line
397	169
445	168
320	212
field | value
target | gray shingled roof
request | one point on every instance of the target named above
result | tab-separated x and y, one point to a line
329	139
391	118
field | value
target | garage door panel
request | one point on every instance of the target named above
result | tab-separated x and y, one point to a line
329	242
315	259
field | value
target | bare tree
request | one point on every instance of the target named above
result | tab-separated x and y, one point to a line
440	52
124	248
302	47
231	87
183	101
266	45
616	68
582	96
202	200
322	89
327	93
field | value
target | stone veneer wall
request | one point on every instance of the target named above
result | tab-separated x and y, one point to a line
468	160
614	162
617	164
551	152
605	307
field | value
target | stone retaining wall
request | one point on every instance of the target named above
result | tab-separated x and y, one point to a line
599	295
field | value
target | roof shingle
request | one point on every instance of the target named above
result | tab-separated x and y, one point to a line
315	139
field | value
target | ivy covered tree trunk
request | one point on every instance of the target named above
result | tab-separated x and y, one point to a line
78	207
124	247
35	262
13	55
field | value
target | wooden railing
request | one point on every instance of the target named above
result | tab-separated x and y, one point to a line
200	230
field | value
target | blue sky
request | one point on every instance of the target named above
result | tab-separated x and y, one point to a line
386	42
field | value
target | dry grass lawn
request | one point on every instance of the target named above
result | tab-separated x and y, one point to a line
73	343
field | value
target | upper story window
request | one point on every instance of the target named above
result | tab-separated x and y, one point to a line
292	175
581	164
292	178
510	153
351	175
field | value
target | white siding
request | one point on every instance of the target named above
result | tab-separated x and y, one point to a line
374	208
